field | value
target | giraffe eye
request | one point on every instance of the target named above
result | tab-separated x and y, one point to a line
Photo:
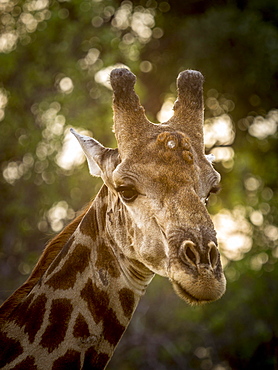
127	193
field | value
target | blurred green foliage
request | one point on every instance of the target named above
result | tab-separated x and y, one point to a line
55	58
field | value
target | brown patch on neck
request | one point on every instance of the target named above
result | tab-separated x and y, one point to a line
29	308
127	301
60	313
81	328
10	349
77	262
95	360
70	360
106	261
98	305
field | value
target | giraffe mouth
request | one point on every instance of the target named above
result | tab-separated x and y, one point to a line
199	291
186	296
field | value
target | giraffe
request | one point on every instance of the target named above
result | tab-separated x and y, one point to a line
148	218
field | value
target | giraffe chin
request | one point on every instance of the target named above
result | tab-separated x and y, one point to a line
207	296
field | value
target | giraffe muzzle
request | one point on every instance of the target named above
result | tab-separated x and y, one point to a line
196	272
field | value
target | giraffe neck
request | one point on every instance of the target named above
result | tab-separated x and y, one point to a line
79	309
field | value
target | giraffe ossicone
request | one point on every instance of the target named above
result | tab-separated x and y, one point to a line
148	218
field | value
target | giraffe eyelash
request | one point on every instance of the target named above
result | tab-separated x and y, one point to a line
127	193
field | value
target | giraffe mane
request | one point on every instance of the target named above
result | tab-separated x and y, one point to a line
52	249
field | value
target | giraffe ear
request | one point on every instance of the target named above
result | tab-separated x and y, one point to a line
93	151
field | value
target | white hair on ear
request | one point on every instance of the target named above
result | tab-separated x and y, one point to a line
92	150
210	157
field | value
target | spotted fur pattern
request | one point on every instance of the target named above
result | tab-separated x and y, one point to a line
68	319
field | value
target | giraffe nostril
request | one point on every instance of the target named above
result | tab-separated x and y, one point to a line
188	253
213	254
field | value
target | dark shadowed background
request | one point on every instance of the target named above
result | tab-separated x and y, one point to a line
55	59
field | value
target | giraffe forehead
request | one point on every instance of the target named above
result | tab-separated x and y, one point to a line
167	156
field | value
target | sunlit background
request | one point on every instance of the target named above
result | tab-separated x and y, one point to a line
55	59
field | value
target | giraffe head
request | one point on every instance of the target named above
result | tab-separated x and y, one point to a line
159	178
